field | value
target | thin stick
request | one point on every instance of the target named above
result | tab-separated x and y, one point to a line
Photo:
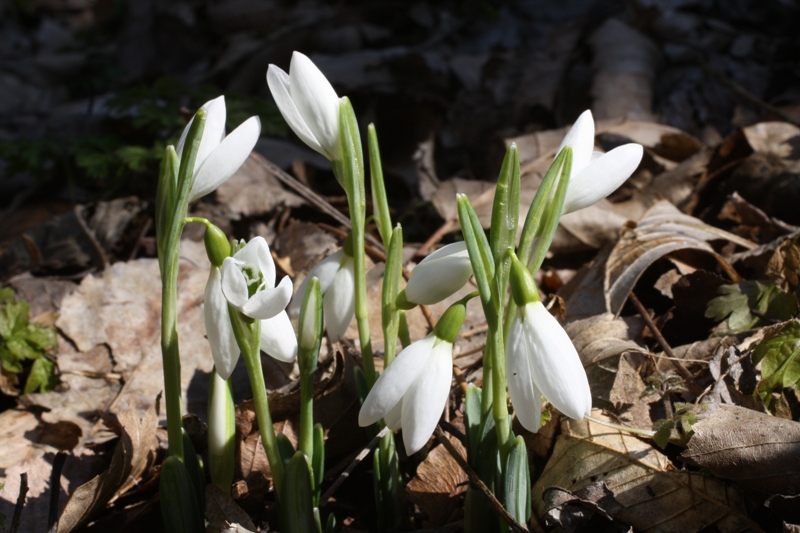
476	480
23	492
685	374
347	471
55	486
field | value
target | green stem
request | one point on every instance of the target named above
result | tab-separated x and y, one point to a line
499	402
306	440
248	337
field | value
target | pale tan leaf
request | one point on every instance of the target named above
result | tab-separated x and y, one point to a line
776	138
121	309
756	449
253	190
438	485
134	452
662	231
601	342
224	515
654	496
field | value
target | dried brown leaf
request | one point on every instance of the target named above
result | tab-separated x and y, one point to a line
662	231
223	514
254	191
601	342
775	138
439	484
753	448
654	496
134	453
121	309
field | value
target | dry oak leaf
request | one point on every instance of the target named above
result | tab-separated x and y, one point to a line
662	231
439	484
134	454
743	445
655	497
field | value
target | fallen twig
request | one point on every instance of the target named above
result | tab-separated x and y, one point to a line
685	374
23	492
347	471
55	485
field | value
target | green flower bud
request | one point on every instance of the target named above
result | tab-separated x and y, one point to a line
217	245
450	324
523	289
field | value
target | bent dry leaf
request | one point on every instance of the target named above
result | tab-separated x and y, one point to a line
133	455
653	495
749	447
662	231
438	485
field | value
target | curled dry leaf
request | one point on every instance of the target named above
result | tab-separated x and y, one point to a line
653	495
755	449
663	230
602	342
224	515
438	485
133	455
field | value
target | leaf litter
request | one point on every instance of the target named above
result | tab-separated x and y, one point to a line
704	235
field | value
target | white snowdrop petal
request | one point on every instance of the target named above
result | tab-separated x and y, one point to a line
602	177
434	280
316	100
424	402
557	368
224	349
278	338
581	138
269	302
393	418
214	130
234	286
395	381
338	302
226	159
525	398
324	271
455	248
279	86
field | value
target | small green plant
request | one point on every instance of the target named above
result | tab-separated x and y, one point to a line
684	418
22	340
751	304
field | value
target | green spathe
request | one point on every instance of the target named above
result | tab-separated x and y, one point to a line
218	247
523	288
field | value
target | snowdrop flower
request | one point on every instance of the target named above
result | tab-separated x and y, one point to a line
246	281
336	274
308	103
541	359
219	156
438	276
595	175
412	392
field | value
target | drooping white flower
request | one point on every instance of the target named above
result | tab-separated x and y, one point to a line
246	281
595	175
219	156
412	391
541	360
308	103
336	274
439	275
